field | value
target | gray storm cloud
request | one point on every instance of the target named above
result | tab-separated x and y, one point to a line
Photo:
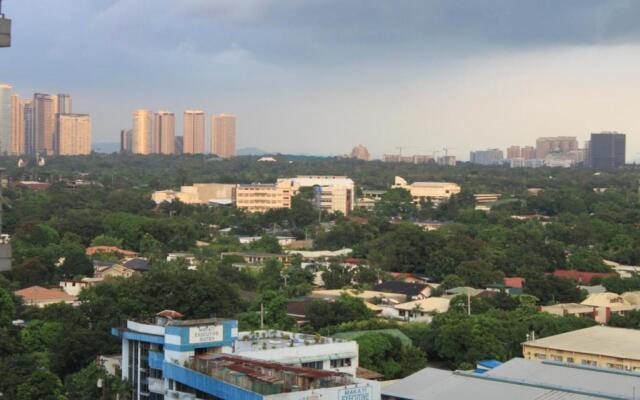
385	73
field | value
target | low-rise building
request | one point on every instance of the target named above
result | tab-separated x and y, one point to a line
370	296
189	258
106	270
282	240
517	378
255	257
608	304
198	193
330	193
74	287
435	192
575	309
299	349
40	297
624	271
411	278
93	250
317	255
418	310
261	197
597	346
209	358
581	277
486	197
412	291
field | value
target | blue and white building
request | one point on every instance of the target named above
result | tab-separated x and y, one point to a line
171	358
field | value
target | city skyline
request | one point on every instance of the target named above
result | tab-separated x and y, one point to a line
43	123
511	73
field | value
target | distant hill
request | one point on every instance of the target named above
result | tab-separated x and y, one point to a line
107	148
251	151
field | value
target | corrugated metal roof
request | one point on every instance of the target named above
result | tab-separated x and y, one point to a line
605	340
519	379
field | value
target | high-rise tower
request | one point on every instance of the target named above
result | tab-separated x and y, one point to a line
164	132
223	135
193	125
142	132
74	134
44	123
17	125
29	134
6	119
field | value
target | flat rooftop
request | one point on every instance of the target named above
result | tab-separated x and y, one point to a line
603	340
269	340
518	379
266	377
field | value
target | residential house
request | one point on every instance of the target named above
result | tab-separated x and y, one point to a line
581	277
418	310
370	296
255	257
608	304
412	291
73	287
40	297
408	277
105	270
138	264
575	309
90	251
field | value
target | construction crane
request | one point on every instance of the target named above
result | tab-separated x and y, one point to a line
400	148
446	150
5	29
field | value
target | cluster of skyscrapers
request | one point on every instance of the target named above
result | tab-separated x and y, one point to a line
43	124
604	150
155	133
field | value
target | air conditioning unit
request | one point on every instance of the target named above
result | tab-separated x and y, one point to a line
5	32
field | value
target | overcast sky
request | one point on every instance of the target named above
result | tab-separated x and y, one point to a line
320	76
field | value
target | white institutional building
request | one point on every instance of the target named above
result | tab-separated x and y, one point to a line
424	191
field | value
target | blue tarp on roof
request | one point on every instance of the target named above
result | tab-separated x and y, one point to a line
491	364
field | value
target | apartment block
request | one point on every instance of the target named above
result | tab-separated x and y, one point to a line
261	197
74	134
556	144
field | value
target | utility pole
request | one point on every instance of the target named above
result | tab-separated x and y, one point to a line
468	301
261	315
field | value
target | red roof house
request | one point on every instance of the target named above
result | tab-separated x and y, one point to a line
581	276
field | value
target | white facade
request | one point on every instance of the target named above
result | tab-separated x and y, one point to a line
299	349
332	193
423	191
